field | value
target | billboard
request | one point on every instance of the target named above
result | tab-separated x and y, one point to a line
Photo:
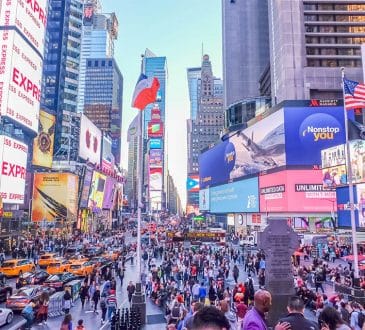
295	191
84	198
156	200
192	183
30	17
192	209
257	148
107	158
204	200
239	196
88	14
357	156
334	176
96	195
156	178
155	129
90	141
43	143
156	158
13	156
54	196
333	156
20	80
360	193
155	143
308	130
108	193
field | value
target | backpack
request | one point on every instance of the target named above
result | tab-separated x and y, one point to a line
64	327
360	319
175	313
103	304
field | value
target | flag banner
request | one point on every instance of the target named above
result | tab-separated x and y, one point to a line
354	94
145	91
356	131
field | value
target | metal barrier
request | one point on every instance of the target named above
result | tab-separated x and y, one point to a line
126	319
55	306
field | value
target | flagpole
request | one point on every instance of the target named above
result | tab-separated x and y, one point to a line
351	190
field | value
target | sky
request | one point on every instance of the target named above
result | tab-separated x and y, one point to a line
175	29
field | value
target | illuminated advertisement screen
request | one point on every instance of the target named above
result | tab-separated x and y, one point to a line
96	195
156	200
20	80
192	183
155	129
108	193
334	176
43	143
13	156
204	200
30	17
107	161
155	179
357	156
54	196
295	191
192	209
90	141
155	143
86	188
333	156
156	158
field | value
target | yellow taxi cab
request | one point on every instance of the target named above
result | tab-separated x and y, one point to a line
16	267
78	258
58	266
46	259
82	268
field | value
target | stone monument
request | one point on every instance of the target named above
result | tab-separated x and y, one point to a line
279	242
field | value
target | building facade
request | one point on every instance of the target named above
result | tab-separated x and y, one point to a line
61	73
103	99
194	76
305	60
245	47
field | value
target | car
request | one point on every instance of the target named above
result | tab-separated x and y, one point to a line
46	259
16	267
5	292
82	268
57	281
101	262
24	295
72	250
6	316
59	266
93	251
36	277
77	257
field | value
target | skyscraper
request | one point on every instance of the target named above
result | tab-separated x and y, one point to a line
61	72
245	47
194	75
98	35
103	99
305	59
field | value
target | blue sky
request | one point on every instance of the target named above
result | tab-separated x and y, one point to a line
175	29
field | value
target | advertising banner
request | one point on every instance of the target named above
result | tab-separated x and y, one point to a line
308	130
360	193
13	156
55	196
156	158
334	176
239	196
107	159
257	148
90	141
155	178
155	143
96	195
343	209
20	80
156	200
192	209
333	156
295	191
43	143
155	129
30	17
204	200
108	193
84	199
192	183
357	156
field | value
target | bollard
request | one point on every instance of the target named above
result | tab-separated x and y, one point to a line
113	323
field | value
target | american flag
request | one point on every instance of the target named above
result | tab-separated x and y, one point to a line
354	94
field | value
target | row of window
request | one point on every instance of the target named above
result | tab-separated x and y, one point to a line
334	29
333	51
332	6
333	18
333	63
333	40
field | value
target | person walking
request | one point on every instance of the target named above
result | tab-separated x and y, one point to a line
84	293
96	298
236	273
131	288
202	293
43	308
111	303
67	323
103	307
80	325
28	314
67	301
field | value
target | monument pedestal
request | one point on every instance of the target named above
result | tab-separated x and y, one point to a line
139	302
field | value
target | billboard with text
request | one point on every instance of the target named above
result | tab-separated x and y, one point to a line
155	178
155	129
156	158
90	141
96	195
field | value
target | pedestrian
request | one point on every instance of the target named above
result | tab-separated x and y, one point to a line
67	301
202	293
318	281
28	314
96	298
130	289
43	307
103	308
84	293
330	319
236	273
80	325
67	322
357	317
111	302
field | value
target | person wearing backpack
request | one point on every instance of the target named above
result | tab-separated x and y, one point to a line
28	314
176	312
357	319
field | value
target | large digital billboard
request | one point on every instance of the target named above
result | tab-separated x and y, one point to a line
30	17
333	156
20	80
107	157
295	191
204	200
13	157
155	179
155	129
308	130
90	141
156	200
257	148
156	158
43	143
86	188
96	195
108	193
54	196
155	143
239	196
